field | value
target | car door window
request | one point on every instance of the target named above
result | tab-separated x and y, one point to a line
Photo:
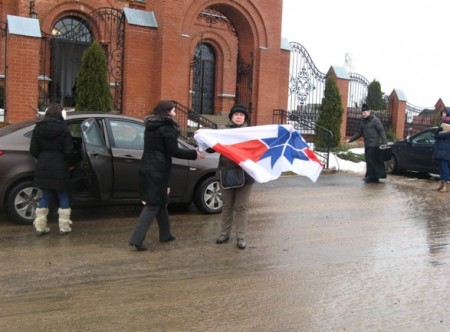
91	133
425	138
126	134
75	129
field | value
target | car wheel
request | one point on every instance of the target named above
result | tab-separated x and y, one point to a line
22	202
392	166
207	196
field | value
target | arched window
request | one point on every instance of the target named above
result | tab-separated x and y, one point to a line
72	29
71	37
204	70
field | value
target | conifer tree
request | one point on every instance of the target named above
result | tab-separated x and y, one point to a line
375	99
92	84
330	116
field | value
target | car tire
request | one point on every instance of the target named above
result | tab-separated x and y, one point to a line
207	196
22	202
392	166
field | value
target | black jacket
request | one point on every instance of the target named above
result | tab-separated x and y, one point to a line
52	145
225	163
372	130
442	145
160	145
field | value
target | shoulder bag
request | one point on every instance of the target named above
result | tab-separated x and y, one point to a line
232	178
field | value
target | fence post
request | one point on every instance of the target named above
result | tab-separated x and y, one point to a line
397	108
342	81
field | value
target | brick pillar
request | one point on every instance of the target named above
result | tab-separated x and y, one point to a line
342	82
142	71
22	86
397	107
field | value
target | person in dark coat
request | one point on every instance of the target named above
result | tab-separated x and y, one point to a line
373	132
51	144
235	200
441	152
160	145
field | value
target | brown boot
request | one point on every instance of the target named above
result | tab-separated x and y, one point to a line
441	185
444	188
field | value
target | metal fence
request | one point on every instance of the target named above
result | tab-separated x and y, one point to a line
307	129
306	91
306	84
418	118
189	121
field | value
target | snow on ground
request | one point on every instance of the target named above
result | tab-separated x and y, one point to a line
342	165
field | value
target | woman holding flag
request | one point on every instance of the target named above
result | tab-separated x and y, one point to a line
235	199
253	154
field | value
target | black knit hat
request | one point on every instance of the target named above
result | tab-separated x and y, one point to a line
238	108
365	108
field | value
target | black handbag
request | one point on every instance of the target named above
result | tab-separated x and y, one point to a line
232	178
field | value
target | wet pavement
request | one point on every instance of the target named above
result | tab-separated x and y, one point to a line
337	255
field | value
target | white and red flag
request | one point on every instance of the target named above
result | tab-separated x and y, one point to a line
264	152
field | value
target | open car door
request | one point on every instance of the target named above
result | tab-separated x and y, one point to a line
97	160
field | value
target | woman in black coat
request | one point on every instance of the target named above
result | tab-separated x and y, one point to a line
441	152
160	145
51	144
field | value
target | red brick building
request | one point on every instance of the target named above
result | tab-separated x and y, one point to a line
205	54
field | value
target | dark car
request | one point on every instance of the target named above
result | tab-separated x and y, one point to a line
109	149
414	154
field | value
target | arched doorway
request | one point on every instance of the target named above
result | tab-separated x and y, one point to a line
62	49
203	84
71	37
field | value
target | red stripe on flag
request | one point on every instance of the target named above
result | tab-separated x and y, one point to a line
239	152
312	156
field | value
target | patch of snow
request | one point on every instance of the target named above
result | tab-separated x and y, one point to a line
342	165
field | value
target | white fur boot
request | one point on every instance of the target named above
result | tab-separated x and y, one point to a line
40	222
64	221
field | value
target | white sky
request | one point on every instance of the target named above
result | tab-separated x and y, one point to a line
403	44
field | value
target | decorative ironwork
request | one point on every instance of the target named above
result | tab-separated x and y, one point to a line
212	16
244	84
72	29
418	118
306	84
191	121
203	68
61	53
301	85
358	89
304	76
111	25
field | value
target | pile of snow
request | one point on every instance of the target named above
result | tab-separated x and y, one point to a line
341	165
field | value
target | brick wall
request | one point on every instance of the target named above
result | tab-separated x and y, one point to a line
23	59
157	61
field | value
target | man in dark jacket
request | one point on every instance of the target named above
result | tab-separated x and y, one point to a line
373	132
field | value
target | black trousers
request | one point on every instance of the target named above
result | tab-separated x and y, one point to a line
375	168
148	213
